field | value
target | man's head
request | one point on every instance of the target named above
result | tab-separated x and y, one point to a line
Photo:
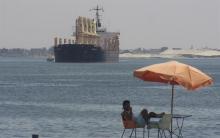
126	105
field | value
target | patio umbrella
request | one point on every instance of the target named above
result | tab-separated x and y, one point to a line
174	73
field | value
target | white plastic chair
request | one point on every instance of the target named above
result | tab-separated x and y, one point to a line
162	125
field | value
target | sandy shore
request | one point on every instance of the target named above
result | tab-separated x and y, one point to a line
175	54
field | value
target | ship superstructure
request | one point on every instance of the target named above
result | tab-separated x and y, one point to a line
90	43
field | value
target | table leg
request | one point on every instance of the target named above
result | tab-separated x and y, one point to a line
179	127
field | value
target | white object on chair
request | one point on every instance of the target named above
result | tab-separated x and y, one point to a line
163	124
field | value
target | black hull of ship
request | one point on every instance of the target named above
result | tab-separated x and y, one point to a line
78	53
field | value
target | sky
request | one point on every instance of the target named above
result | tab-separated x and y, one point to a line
141	23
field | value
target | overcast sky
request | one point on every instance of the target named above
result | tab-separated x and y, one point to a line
142	23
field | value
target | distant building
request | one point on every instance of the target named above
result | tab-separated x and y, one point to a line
177	48
19	52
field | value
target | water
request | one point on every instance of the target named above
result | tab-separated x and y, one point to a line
60	100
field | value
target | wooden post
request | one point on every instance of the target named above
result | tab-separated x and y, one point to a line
34	136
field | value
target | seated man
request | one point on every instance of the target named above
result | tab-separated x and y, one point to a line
141	119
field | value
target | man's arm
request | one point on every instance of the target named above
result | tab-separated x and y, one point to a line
127	115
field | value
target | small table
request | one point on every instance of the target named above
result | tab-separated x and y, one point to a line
179	124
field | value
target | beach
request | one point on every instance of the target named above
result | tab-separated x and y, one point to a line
179	53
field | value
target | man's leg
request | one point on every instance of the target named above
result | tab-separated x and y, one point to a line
152	114
145	115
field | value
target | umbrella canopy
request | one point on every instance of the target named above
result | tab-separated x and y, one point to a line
174	73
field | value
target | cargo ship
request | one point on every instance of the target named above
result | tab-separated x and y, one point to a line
89	43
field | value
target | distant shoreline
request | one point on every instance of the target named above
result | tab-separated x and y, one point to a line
139	56
130	56
171	53
163	52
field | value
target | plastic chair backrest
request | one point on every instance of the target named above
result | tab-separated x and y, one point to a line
165	122
129	123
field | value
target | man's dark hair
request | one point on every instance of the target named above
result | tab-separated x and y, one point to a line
125	102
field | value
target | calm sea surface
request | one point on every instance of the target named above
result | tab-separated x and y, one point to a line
60	100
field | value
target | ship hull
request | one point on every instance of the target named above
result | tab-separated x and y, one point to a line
78	53
111	56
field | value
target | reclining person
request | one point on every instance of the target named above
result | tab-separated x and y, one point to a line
141	119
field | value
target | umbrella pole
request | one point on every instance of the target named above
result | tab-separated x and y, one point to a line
172	112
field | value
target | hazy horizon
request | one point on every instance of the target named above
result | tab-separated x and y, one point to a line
142	23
